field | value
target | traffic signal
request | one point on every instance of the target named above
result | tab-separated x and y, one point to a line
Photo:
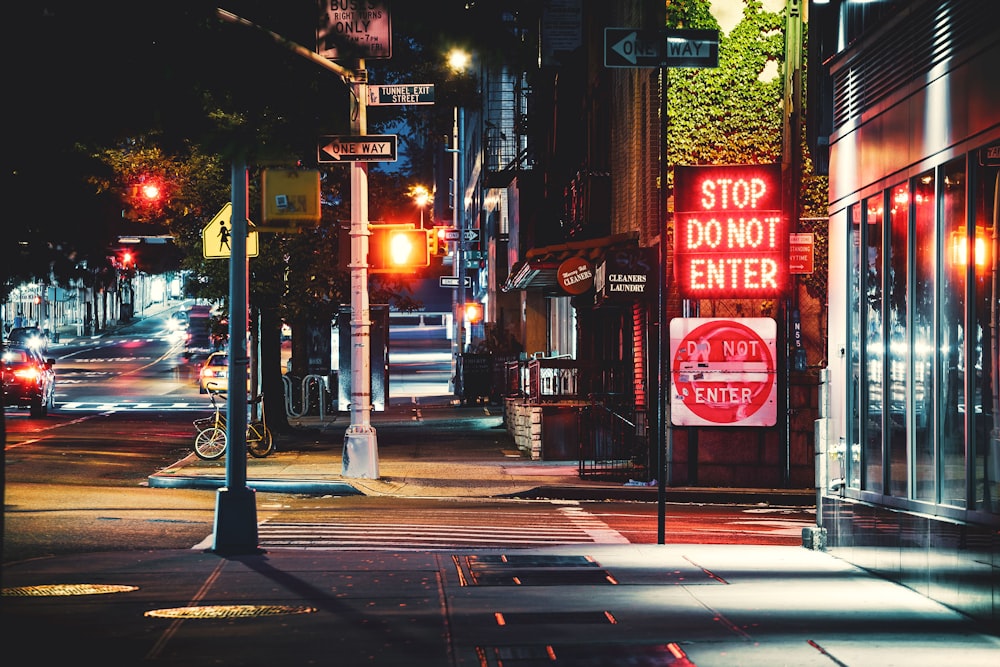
151	191
439	245
127	262
147	196
473	312
397	249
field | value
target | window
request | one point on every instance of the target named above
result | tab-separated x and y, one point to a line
924	300
855	399
873	310
898	385
952	341
985	447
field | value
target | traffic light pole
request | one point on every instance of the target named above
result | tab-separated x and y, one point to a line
235	530
459	269
360	457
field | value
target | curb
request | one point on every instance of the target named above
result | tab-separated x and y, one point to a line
311	487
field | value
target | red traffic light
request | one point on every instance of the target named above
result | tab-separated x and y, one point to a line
395	249
473	312
151	191
126	258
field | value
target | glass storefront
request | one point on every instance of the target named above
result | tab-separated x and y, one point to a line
923	320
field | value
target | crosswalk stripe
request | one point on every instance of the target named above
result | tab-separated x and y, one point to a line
72	406
574	527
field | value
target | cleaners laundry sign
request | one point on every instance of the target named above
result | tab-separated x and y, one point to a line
723	372
626	274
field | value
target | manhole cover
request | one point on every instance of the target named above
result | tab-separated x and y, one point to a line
536	618
518	577
585	655
529	560
52	590
229	611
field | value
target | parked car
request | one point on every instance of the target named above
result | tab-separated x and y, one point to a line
214	375
29	380
34	337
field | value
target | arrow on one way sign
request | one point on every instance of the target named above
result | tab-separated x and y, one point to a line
626	47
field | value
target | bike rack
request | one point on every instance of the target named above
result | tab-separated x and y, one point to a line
307	383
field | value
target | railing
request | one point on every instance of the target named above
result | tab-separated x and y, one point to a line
613	441
558	379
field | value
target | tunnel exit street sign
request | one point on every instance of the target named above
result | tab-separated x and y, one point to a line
408	93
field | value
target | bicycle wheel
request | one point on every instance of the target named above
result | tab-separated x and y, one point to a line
210	444
260	443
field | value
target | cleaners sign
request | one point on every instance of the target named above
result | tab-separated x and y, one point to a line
731	239
723	372
575	275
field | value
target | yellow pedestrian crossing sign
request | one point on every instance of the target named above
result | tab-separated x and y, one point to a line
215	236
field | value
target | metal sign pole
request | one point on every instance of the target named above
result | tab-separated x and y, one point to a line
235	504
664	435
360	457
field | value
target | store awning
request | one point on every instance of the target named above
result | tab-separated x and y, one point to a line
538	270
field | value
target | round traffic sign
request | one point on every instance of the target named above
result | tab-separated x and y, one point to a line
723	373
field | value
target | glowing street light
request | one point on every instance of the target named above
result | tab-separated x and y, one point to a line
459	60
421	197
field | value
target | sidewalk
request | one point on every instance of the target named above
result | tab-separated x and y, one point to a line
416	460
582	605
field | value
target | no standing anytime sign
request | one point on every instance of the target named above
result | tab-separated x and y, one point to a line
723	372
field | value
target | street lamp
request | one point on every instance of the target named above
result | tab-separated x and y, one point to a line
421	197
459	61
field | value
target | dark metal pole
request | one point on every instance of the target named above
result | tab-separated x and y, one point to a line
664	436
460	254
235	504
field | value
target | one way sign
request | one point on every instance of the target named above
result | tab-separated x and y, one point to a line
467	235
364	148
630	47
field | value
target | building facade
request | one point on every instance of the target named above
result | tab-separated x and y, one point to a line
909	103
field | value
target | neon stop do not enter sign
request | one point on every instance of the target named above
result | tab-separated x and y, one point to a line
731	239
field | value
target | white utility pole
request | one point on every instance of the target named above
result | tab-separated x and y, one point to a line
360	458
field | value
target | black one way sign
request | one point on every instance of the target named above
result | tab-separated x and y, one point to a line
362	148
631	47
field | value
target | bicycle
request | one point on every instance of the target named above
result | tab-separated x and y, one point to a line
211	440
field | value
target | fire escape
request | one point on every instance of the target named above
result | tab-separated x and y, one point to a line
505	129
